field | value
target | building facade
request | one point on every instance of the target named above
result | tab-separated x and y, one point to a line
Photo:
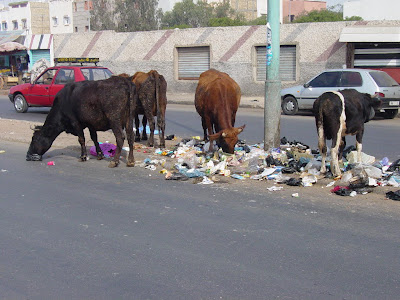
372	10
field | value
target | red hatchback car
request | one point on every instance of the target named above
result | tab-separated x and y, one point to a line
45	87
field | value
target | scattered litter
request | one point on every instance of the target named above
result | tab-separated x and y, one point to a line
2	151
107	148
295	195
393	195
3	170
237	176
206	180
51	163
275	188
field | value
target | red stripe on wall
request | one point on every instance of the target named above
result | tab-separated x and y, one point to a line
239	43
50	39
158	44
92	43
32	38
330	51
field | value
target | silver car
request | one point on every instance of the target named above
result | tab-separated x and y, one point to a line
373	82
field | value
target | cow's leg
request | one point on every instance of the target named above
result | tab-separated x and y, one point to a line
130	138
144	132
161	130
204	125
341	148
359	137
336	141
322	147
93	135
209	127
150	119
81	138
137	124
119	136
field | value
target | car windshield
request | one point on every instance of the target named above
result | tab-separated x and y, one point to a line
382	79
93	74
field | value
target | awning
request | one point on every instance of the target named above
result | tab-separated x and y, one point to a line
370	34
10	36
11	47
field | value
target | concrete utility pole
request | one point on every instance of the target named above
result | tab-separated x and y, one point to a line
272	102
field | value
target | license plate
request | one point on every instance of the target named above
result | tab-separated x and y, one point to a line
394	103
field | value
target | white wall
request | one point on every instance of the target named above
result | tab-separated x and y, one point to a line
10	14
371	10
60	9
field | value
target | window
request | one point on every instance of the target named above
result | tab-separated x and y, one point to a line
46	77
23	21
75	7
86	28
15	25
86	5
4	26
55	21
96	73
351	79
383	79
192	61
76	29
326	79
287	66
65	76
66	20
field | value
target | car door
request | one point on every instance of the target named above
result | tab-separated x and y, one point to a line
39	93
325	82
62	77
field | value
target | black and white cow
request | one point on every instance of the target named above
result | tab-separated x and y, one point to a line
96	105
338	114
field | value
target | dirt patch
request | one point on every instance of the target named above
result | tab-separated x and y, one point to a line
20	131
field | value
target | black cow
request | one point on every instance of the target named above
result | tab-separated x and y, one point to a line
338	114
97	105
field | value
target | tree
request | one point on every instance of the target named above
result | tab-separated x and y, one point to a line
136	15
324	15
101	17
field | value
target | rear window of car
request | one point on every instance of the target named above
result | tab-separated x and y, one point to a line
383	79
93	74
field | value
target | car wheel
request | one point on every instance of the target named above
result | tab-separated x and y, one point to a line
390	113
290	106
20	104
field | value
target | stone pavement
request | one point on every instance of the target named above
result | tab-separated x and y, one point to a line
188	98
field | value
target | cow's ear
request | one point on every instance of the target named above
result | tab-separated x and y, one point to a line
215	136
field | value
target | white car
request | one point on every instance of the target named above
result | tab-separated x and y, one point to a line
373	82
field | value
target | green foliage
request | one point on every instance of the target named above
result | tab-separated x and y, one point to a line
202	14
136	15
324	15
259	21
101	17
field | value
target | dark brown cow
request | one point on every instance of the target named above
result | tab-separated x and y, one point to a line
217	100
152	95
97	105
338	114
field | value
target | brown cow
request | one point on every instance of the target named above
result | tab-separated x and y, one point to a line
152	94
217	100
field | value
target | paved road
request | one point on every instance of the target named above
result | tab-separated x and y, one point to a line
84	231
380	137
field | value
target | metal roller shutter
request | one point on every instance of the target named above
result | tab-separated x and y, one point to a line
192	61
376	55
287	66
38	54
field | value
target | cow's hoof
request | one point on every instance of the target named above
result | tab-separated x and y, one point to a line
162	145
130	164
33	157
100	155
144	137
137	139
113	164
83	158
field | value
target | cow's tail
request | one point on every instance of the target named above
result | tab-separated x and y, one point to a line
158	87
133	98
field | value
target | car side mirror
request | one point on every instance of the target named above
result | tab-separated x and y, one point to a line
306	85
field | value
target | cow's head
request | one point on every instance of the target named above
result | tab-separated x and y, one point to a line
373	103
39	145
227	138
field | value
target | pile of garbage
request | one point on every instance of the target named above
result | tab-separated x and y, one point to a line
293	163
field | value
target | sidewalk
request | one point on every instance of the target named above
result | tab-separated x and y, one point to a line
188	98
